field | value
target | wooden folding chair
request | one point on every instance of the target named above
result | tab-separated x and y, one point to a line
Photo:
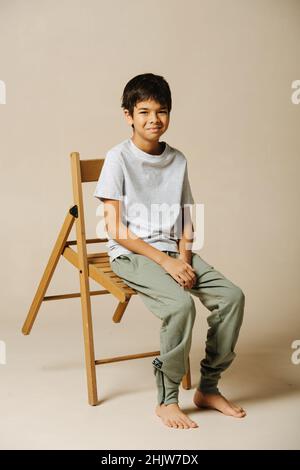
95	266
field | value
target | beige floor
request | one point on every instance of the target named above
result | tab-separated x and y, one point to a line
43	401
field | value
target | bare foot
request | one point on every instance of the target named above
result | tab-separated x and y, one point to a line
174	417
218	402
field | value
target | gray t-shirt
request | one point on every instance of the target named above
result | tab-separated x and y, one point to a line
152	188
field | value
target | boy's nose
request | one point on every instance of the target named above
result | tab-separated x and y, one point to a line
155	122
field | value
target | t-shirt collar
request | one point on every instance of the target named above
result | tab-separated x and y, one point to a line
146	155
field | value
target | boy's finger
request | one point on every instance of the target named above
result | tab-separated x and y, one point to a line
191	271
191	267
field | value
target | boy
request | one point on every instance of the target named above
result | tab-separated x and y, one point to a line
143	173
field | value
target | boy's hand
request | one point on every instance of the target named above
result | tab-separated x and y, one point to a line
180	270
187	257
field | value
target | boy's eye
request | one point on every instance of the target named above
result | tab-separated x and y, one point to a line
143	112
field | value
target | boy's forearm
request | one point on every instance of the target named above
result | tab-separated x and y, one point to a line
186	241
185	245
132	242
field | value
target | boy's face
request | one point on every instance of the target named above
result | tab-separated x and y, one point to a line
150	120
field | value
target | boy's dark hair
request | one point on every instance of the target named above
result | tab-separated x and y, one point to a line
144	87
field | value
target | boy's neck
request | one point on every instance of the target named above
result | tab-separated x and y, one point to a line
153	148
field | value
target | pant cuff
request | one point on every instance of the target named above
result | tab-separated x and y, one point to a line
167	390
208	386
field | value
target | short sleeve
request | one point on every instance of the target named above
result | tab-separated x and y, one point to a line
187	196
110	182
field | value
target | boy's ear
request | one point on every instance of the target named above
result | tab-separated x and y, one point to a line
128	117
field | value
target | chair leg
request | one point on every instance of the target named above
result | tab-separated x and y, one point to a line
117	317
186	379
48	273
87	324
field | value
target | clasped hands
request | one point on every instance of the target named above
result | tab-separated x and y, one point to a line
181	270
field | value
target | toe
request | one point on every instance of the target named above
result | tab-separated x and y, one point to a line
191	423
186	422
183	423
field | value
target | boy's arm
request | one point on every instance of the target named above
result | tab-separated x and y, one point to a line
119	232
186	241
179	269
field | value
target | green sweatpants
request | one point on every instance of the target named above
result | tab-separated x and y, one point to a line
174	305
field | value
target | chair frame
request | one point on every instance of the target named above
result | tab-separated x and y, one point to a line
95	266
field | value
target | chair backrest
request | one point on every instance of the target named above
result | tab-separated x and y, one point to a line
90	169
83	171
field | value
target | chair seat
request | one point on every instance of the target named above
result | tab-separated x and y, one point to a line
99	269
102	263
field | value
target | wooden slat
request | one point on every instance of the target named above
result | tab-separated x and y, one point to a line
126	358
90	169
71	296
89	240
99	255
106	269
103	264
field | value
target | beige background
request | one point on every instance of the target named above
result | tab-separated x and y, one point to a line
230	65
